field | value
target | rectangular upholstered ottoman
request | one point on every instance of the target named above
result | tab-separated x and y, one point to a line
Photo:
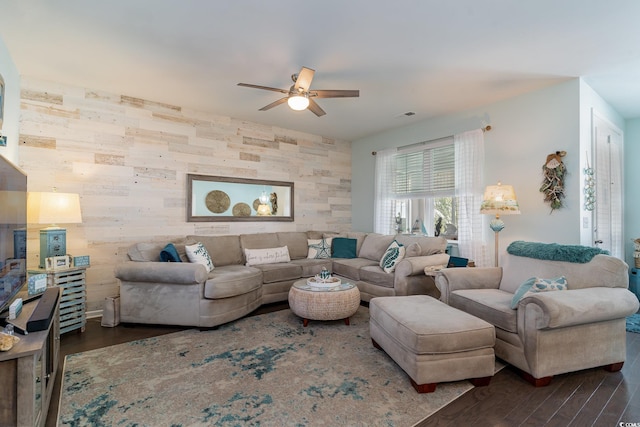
431	341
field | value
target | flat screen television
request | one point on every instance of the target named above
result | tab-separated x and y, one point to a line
13	232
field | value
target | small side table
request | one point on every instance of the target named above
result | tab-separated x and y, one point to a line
74	295
314	303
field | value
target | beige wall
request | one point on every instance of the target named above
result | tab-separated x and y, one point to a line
128	159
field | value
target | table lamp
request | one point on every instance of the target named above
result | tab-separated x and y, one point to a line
53	208
263	208
499	200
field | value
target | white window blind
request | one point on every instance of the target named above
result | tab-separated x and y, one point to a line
426	172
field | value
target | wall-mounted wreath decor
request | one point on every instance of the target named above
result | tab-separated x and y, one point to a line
553	172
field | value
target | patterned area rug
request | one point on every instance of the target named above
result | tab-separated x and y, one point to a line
264	370
633	323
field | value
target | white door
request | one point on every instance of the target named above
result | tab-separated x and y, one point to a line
607	230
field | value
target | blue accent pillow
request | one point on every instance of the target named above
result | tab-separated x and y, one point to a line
342	247
536	285
169	254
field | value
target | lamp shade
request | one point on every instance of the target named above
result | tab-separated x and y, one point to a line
53	208
499	200
12	207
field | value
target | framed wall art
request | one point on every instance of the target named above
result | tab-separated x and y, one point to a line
219	198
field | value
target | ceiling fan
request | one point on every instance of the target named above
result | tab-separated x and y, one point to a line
299	96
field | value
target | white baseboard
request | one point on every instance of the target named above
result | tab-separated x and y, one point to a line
93	314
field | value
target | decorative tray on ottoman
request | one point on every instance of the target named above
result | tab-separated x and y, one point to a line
324	283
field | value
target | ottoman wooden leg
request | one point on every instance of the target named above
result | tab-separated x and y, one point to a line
614	367
536	382
481	382
423	388
346	321
305	322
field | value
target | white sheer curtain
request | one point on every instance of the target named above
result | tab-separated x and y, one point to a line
469	149
384	206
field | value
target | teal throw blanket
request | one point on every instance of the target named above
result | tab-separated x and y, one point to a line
554	251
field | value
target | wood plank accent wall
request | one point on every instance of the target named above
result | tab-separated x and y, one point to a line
128	159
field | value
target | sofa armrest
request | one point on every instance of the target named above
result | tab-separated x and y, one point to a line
550	310
415	265
180	273
453	279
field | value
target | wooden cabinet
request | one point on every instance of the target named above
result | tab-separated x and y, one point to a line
72	281
27	374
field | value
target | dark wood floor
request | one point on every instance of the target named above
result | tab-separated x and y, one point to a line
593	397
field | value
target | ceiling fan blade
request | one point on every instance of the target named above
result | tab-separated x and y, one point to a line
315	108
334	93
273	89
274	104
304	79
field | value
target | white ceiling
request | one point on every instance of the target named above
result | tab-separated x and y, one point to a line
431	57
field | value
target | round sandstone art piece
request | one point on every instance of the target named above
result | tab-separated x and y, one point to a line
256	204
217	201
241	209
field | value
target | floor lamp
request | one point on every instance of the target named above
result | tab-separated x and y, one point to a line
499	200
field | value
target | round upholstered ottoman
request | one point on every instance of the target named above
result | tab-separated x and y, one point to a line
431	341
315	303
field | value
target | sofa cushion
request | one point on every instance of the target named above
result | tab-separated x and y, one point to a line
279	272
311	267
315	235
266	256
535	285
350	268
491	305
180	248
392	256
223	250
374	246
319	248
413	249
198	253
296	241
428	245
259	240
343	247
375	275
143	251
231	280
602	270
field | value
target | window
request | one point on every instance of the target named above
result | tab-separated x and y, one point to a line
432	180
420	184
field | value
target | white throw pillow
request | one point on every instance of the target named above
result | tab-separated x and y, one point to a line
392	256
198	253
267	256
319	248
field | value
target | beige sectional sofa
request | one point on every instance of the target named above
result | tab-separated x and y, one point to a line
184	293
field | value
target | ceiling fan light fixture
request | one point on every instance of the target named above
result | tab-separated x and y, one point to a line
298	102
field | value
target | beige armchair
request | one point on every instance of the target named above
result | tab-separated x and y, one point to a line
555	332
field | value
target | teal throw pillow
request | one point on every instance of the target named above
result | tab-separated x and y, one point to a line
341	247
392	256
536	285
170	254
